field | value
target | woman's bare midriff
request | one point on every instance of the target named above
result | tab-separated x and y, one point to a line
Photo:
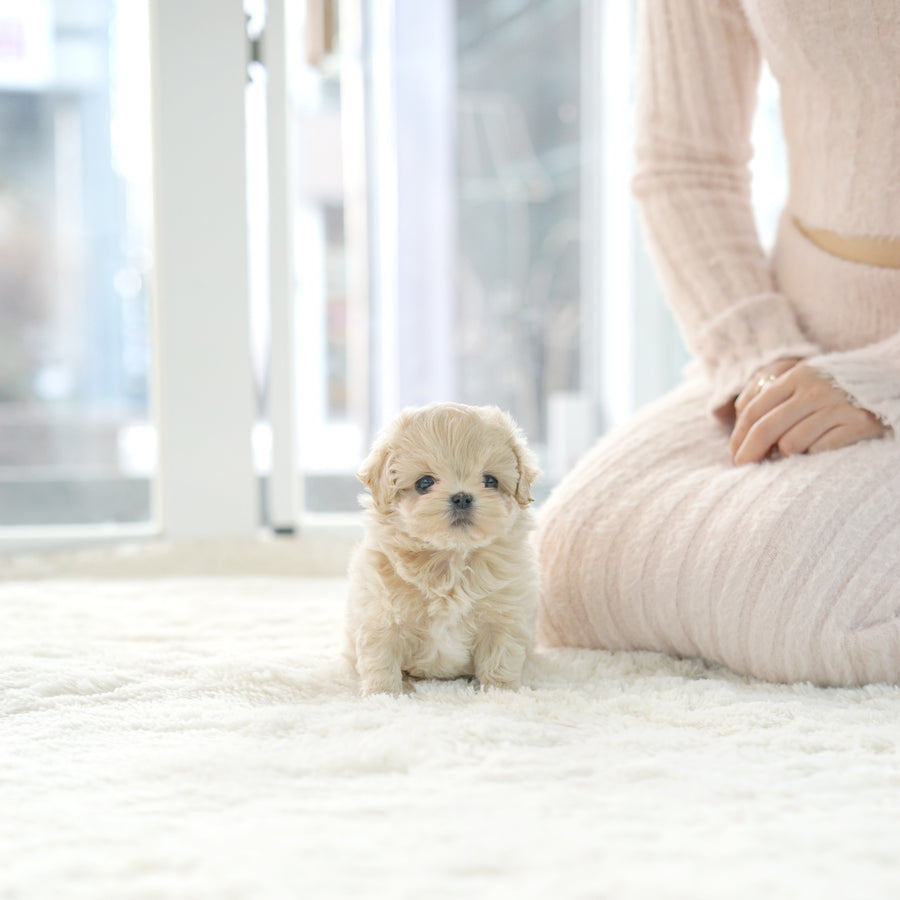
869	251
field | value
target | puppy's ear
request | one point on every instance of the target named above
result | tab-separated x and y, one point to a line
526	462
528	473
375	474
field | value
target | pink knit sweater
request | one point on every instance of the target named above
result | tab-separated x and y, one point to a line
838	67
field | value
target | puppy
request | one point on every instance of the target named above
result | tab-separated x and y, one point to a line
444	583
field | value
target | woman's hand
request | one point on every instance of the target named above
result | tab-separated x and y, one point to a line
793	408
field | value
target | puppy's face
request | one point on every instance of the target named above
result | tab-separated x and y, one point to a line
450	476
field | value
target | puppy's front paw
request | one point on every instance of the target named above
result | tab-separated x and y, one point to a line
499	664
381	683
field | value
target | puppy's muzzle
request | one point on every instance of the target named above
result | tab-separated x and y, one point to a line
461	508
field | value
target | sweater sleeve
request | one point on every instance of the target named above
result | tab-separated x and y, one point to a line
699	67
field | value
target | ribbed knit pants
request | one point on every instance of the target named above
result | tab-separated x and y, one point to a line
786	570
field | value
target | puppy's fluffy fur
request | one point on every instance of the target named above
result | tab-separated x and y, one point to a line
445	582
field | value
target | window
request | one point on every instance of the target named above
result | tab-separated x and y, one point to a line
465	228
76	443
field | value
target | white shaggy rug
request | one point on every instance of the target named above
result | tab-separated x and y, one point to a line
199	738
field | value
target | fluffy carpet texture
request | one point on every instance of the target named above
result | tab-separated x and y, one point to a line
199	737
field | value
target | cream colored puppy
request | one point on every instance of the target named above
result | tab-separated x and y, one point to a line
445	582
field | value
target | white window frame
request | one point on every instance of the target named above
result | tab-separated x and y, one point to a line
203	386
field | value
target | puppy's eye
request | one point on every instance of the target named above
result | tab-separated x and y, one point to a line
491	482
424	483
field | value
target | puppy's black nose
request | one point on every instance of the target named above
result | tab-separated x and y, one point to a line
461	500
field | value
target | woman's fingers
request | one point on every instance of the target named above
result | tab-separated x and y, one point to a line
762	421
762	379
858	425
764	428
810	431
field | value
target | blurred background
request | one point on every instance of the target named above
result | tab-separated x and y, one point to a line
433	203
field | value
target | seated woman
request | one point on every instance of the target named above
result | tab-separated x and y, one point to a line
752	516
